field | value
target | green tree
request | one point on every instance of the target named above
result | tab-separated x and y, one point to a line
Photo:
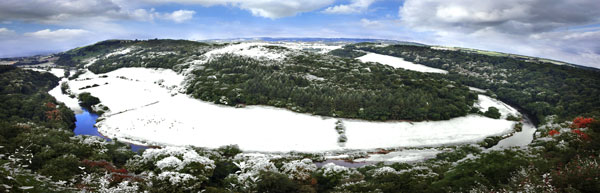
492	112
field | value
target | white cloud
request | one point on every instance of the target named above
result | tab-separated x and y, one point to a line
179	15
6	31
59	34
263	8
46	41
507	16
82	12
371	23
357	6
542	28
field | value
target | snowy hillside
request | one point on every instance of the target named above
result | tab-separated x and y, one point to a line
146	108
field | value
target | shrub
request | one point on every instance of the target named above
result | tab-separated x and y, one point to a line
492	112
274	182
581	122
87	100
581	174
331	175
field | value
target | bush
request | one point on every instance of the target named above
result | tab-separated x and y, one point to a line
581	174
492	169
492	112
276	182
62	168
87	100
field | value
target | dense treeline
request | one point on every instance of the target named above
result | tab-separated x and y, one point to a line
539	88
23	97
148	53
331	86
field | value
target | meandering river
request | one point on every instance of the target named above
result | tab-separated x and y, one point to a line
84	125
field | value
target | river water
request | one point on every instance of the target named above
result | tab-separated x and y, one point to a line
85	126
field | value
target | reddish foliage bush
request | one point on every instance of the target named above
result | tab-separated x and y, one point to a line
581	122
553	132
50	105
581	134
580	173
53	115
117	175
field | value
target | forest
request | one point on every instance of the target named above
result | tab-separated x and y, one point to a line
539	88
155	53
330	86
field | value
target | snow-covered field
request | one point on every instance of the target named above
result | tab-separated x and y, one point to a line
485	102
319	47
72	103
146	107
471	128
253	50
398	63
58	72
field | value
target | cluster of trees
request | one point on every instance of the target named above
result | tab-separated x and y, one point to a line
87	100
330	86
143	57
538	88
23	95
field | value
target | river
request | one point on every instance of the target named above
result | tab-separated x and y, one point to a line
84	125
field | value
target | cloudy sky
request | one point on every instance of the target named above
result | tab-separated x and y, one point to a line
567	30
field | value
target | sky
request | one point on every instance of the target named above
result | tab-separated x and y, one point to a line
566	30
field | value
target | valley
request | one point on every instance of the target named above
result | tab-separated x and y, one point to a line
242	110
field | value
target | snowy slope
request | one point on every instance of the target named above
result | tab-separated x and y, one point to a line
471	128
398	63
485	102
58	72
72	103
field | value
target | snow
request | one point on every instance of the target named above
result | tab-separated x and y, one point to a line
332	169
319	47
72	103
144	112
250	166
253	50
408	155
299	169
313	77
384	170
471	128
118	52
88	62
477	90
138	87
58	72
169	162
485	102
398	63
176	178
